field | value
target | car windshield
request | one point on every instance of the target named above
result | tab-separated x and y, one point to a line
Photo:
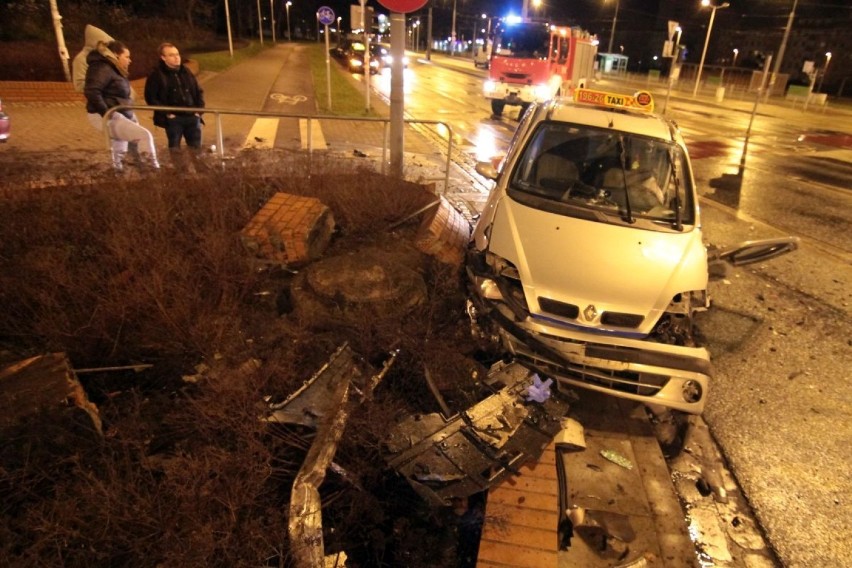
626	176
524	41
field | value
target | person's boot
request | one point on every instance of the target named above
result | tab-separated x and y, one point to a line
118	162
149	161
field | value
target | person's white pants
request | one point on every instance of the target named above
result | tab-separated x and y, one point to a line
123	130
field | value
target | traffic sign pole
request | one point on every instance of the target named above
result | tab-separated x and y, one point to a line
327	67
398	9
325	16
397	97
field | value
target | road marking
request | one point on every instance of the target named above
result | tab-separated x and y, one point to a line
262	134
317	139
291	100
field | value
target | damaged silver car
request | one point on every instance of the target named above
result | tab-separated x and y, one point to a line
588	263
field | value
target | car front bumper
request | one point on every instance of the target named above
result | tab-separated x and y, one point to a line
656	374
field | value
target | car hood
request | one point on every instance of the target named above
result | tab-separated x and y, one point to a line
613	267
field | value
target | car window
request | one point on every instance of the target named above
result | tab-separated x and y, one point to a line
622	174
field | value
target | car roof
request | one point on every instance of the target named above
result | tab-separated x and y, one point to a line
640	122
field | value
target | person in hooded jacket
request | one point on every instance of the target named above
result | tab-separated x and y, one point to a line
172	84
107	85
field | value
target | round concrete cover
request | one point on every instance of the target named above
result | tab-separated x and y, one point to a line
369	277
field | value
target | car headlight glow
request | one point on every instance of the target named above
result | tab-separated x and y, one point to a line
356	62
490	86
542	92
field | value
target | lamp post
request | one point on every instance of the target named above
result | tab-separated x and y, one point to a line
259	23
417	35
453	33
272	18
488	29
339	31
612	31
287	6
713	8
824	69
734	62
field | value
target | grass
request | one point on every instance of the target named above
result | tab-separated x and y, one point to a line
346	99
220	60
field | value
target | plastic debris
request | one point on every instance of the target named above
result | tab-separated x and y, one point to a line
539	391
617	459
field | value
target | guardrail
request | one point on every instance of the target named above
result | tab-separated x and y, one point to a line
219	112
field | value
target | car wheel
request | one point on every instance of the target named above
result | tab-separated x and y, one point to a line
497	107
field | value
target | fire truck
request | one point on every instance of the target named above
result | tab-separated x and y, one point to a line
534	62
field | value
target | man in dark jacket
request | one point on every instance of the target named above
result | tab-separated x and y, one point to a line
172	84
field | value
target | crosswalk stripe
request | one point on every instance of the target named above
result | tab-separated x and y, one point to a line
262	134
317	139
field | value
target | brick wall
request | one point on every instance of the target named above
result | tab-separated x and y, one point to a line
51	91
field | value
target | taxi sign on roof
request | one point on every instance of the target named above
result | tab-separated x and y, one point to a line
641	100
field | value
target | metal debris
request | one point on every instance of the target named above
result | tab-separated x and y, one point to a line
617	458
444	459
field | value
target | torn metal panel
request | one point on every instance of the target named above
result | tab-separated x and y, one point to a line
305	515
322	403
444	459
314	399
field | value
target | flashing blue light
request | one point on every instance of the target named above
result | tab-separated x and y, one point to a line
512	19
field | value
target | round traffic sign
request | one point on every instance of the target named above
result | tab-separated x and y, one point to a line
402	6
325	15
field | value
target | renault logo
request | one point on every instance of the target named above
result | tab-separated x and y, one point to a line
590	313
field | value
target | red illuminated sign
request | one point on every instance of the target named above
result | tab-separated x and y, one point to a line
402	6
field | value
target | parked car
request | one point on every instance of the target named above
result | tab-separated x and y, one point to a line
587	263
383	51
355	59
340	50
5	124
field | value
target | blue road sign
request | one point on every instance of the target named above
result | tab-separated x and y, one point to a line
325	15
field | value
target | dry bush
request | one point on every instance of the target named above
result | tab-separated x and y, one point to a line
153	271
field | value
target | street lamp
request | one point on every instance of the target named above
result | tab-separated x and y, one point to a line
824	69
287	5
734	62
536	5
417	35
707	39
612	32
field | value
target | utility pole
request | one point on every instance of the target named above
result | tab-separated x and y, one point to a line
60	39
429	35
612	32
780	57
453	34
259	23
272	18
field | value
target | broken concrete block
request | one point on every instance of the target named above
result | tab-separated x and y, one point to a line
444	234
289	229
42	383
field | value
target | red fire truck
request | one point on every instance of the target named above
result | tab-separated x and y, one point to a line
534	61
